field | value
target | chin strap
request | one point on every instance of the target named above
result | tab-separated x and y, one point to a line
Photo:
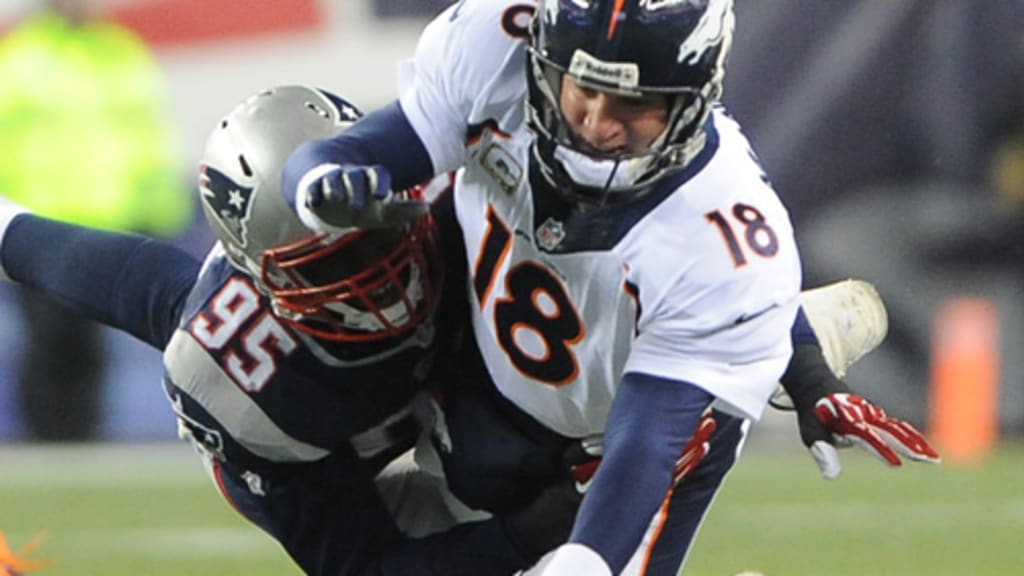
603	199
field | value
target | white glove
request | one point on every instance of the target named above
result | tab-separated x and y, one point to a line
570	559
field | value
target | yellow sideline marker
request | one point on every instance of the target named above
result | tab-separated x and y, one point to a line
965	379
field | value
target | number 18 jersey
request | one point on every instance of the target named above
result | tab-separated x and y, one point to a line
696	280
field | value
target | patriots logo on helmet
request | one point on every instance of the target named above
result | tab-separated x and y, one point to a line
230	201
346	112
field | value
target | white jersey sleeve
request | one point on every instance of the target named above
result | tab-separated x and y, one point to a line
458	80
738	360
722	319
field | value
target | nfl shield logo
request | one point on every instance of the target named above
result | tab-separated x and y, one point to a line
550	234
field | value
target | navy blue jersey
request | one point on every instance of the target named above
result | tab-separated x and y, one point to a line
292	430
256	392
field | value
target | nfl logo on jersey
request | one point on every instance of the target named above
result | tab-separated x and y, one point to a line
550	234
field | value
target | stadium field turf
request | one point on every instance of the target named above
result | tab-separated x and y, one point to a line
149	510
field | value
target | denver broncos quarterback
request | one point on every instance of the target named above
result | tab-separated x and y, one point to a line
629	264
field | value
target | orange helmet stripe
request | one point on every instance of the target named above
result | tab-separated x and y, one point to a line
615	17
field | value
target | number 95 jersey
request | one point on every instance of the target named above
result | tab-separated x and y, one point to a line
256	393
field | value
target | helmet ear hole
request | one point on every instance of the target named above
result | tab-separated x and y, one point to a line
246	169
317	110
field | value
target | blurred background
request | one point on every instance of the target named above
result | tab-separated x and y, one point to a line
893	130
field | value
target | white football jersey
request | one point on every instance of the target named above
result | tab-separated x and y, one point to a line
696	282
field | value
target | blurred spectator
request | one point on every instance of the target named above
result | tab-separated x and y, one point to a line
84	137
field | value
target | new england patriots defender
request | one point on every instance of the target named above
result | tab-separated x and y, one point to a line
292	359
629	263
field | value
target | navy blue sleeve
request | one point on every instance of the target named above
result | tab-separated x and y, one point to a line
382	137
126	281
650	422
801	332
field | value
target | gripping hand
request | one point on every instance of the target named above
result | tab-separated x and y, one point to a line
697	447
829	415
546	522
338	196
850	420
584	465
582	460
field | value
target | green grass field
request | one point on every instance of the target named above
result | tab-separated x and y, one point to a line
148	510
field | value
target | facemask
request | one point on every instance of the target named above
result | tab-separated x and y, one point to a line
594	173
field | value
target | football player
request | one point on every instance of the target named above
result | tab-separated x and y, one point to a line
293	360
630	265
275	310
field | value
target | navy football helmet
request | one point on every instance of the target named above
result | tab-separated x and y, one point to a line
632	48
354	286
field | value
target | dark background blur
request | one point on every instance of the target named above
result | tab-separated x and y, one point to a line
876	120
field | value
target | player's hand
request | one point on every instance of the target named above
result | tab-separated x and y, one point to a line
354	196
697	447
584	464
547	521
842	419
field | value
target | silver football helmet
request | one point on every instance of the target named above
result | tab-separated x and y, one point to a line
354	286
